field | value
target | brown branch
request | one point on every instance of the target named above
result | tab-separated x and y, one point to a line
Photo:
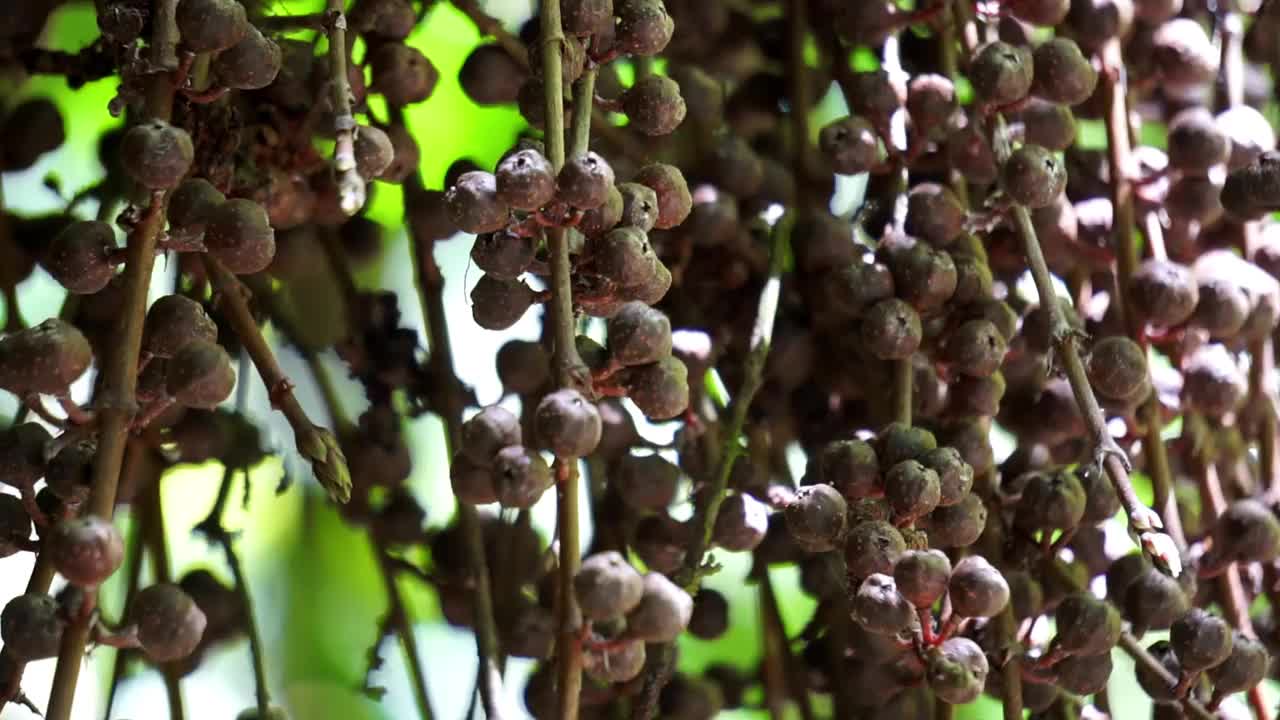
430	286
153	536
399	618
570	371
706	512
491	26
1119	159
1148	662
1231	592
1145	523
318	445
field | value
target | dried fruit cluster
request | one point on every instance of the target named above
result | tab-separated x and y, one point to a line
680	208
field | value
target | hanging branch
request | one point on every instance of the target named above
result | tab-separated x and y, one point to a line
133	561
491	26
569	370
397	619
451	399
153	535
1143	521
1119	162
214	530
704	519
318	445
1149	663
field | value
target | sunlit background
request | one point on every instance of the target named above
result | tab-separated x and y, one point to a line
318	594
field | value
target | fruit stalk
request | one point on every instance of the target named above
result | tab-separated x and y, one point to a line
489	25
1144	522
776	645
397	618
1140	656
153	536
570	372
731	444
1119	161
600	121
117	395
1262	352
1231	592
351	189
318	445
902	389
773	666
704	519
430	284
213	528
1261	373
1231	34
404	628
133	562
1006	622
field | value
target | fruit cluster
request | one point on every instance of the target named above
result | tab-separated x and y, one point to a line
1059	260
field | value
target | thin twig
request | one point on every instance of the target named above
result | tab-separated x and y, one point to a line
491	26
1011	672
624	141
903	381
317	444
1144	522
1133	648
133	565
1231	592
777	644
704	519
430	285
1231	40
1119	159
1119	164
153	535
773	668
399	617
215	531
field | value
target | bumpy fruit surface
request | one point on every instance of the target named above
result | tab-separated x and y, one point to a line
86	551
169	622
